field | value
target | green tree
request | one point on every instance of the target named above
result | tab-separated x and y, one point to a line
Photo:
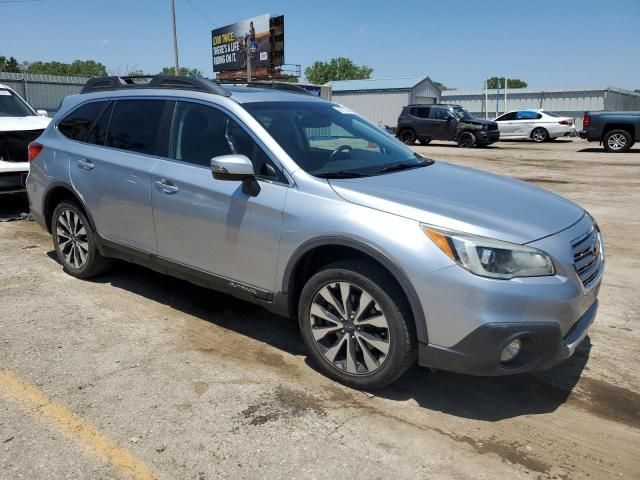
442	86
9	65
79	68
495	82
184	72
340	68
289	79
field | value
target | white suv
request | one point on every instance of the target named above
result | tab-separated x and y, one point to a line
19	125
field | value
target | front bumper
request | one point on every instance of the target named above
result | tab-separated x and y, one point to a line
485	137
13	176
479	352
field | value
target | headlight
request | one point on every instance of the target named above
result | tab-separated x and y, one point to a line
491	258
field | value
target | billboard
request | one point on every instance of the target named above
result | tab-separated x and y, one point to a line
231	44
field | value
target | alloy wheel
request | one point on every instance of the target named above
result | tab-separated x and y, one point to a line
73	243
539	135
349	328
617	141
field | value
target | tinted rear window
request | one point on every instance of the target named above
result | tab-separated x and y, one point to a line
76	125
135	125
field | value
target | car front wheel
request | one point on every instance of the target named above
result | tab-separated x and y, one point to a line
355	325
75	242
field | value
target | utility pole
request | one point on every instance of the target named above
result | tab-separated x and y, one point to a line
486	100
505	94
175	38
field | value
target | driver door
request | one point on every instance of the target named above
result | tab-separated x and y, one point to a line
212	225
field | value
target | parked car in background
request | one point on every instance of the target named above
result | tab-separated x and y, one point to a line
297	204
444	122
19	125
616	131
534	124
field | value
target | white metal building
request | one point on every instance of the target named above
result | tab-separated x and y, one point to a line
381	100
568	102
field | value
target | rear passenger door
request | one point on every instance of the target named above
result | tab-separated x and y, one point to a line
442	126
111	169
421	121
212	225
525	122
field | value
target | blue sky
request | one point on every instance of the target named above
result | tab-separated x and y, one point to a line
547	43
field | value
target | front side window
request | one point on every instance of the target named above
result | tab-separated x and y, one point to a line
328	140
506	117
13	106
135	125
76	125
201	133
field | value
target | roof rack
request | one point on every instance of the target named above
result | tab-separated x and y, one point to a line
288	87
99	84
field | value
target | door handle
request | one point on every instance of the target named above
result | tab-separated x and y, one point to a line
86	164
166	186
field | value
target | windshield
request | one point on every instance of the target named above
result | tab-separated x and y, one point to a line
462	113
329	141
13	106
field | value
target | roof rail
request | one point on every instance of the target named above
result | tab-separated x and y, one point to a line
288	87
99	84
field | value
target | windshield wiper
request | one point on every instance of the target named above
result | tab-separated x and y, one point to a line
401	166
340	174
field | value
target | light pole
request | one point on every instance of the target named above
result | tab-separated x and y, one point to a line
175	38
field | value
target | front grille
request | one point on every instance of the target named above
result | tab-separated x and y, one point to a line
493	126
587	257
13	145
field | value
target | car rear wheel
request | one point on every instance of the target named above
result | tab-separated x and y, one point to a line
467	140
539	135
407	136
75	242
617	141
355	326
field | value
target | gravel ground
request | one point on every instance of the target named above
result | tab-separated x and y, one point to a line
138	375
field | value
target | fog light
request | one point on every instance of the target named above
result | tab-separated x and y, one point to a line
511	351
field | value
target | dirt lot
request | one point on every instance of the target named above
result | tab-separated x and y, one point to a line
140	375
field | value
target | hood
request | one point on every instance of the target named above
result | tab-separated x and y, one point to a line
15	124
479	121
466	200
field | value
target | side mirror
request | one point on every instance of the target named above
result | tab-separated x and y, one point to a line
42	113
236	168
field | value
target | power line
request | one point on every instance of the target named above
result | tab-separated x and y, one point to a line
199	12
19	1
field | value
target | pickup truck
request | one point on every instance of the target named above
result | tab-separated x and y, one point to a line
616	131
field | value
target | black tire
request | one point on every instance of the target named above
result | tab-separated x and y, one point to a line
407	136
388	301
79	256
539	135
466	140
617	141
425	141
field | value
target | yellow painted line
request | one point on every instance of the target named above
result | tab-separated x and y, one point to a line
38	405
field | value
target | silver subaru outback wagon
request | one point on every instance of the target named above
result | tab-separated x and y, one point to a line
300	205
